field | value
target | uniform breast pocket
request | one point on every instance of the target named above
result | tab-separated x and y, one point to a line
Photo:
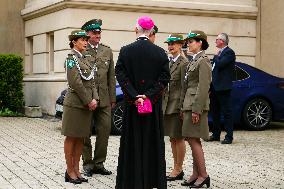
193	70
104	63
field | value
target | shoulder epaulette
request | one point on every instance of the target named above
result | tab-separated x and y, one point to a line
104	45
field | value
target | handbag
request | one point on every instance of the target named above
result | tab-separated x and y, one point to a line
145	108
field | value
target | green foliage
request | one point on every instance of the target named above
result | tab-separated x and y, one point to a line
11	83
8	113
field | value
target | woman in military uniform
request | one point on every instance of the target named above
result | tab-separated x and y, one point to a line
196	105
80	100
172	105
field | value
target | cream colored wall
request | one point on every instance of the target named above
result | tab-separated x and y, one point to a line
45	78
271	37
11	27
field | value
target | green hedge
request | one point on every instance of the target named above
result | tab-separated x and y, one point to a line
11	82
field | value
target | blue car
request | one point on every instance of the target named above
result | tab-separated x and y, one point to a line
258	99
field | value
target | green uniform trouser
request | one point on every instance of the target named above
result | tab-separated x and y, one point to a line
102	122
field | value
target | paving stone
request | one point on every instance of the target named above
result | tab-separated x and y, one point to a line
32	157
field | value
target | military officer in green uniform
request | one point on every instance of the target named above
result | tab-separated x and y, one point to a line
101	56
80	100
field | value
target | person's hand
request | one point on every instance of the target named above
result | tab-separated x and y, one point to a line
139	100
112	105
195	117
93	104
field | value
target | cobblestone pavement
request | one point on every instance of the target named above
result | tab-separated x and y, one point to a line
31	156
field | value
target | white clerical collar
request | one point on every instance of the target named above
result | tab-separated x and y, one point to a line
175	59
194	55
80	54
143	36
93	46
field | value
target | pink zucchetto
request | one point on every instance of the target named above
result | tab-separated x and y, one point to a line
145	22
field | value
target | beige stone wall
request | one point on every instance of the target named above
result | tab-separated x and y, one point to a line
11	27
271	37
48	23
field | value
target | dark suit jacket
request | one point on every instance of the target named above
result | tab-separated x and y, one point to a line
224	70
142	68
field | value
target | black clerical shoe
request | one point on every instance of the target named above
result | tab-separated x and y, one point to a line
226	141
212	138
102	171
88	172
178	177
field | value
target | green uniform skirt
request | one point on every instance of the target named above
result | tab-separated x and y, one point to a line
199	130
173	126
76	122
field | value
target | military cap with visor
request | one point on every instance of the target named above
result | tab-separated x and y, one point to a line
175	38
197	34
77	34
93	25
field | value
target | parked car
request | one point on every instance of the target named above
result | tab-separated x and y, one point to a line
258	99
116	114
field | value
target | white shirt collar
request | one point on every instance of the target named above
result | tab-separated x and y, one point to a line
194	55
80	54
175	59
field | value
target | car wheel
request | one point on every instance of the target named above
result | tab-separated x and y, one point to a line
117	113
257	114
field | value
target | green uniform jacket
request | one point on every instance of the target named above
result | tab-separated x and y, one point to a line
80	91
105	77
172	102
197	84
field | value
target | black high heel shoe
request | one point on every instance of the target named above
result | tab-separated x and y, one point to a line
69	179
206	181
83	179
178	177
187	183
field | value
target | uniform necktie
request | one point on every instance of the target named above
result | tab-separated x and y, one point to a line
171	63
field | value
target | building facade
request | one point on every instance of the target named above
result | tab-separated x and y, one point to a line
47	24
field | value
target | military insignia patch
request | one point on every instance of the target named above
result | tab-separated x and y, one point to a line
70	63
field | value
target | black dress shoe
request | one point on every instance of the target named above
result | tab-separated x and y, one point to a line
212	138
205	182
69	179
83	179
88	172
226	141
102	171
178	177
187	183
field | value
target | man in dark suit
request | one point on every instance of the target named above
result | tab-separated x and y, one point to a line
222	80
142	70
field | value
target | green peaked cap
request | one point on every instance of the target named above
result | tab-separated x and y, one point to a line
77	34
93	25
175	38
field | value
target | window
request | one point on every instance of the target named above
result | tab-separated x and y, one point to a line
240	74
51	52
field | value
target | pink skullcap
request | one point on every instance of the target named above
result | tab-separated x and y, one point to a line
146	22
